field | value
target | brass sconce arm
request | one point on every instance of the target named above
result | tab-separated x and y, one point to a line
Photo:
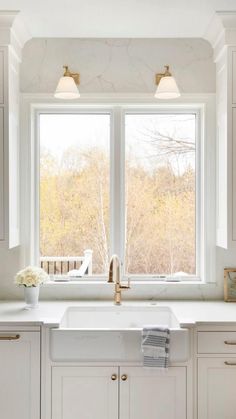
68	73
165	74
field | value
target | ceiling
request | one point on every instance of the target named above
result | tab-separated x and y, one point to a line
117	18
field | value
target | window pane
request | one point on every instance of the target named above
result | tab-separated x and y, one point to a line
74	186
160	194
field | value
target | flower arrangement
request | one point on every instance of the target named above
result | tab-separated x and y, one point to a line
32	276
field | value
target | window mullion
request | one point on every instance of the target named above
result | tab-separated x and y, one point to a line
117	211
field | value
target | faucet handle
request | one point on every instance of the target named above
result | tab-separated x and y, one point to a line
125	287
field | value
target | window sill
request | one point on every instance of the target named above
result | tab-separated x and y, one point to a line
103	282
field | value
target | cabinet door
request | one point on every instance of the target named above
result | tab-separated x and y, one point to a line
2	176
234	77
233	174
216	389
153	394
20	375
84	393
1	76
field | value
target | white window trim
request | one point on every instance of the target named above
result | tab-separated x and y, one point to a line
199	191
32	106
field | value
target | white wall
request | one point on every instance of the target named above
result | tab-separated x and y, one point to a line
116	66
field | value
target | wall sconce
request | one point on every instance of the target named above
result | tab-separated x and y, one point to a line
166	85
67	85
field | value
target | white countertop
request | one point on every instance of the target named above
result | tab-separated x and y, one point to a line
51	312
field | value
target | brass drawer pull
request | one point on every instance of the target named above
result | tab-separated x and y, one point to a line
12	337
230	363
114	377
124	377
228	342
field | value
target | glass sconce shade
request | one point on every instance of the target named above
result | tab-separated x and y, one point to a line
167	88
67	89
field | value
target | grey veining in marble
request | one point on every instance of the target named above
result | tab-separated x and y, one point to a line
118	65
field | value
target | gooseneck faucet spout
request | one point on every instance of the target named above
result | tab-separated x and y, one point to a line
114	277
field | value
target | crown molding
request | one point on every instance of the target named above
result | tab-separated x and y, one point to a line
13	31
221	32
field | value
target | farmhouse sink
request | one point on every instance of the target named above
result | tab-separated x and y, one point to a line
121	318
113	334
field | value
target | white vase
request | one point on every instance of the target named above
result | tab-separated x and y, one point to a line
31	297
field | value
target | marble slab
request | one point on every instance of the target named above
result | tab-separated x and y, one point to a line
117	65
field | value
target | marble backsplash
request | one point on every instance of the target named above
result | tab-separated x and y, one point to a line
117	65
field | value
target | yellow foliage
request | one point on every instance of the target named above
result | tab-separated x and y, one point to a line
160	213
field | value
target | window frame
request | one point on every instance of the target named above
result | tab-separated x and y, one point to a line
74	111
199	216
117	179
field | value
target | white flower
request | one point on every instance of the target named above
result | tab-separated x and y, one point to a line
32	276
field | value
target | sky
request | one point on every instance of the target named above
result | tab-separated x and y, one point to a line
61	131
58	132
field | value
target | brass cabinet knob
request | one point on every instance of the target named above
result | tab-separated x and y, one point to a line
114	377
124	377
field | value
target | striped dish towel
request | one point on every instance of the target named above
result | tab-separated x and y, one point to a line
155	346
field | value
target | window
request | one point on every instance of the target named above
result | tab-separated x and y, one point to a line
74	187
160	194
122	181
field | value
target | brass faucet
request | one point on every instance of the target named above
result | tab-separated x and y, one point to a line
114	277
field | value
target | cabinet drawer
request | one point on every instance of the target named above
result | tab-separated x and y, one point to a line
216	342
2	177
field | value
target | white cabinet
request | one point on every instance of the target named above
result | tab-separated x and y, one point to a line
226	148
153	394
1	77
19	375
234	77
13	35
85	393
2	177
216	373
216	388
9	147
222	35
234	171
133	393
